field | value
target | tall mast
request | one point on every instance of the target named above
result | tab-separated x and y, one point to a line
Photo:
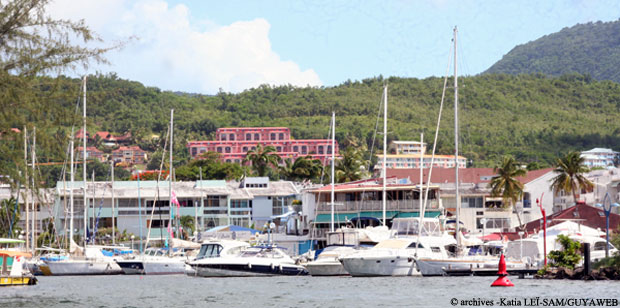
170	172
456	143
94	225
333	165
113	214
26	203
84	161
385	92
32	191
72	176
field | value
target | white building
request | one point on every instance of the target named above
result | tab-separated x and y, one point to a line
600	157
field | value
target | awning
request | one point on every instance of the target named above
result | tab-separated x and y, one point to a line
344	217
12	253
433	214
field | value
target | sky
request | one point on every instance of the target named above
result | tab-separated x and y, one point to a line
209	46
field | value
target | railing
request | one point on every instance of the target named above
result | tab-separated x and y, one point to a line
375	205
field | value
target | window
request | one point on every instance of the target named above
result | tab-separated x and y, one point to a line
304	150
295	149
248	136
471	202
320	149
194	152
278	149
329	149
219	149
281	136
273	136
256	136
227	149
223	137
232	137
245	149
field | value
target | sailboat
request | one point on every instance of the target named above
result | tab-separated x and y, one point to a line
89	260
460	259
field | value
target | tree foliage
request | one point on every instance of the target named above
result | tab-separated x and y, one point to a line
569	256
263	160
590	49
570	177
506	183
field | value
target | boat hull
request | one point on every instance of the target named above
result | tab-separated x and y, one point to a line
246	270
377	266
131	267
435	267
163	267
84	267
17	281
326	269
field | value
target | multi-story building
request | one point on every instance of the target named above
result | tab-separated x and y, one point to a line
361	204
252	202
129	154
234	143
91	152
481	212
407	155
601	158
408	147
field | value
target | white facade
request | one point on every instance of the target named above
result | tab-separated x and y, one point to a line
406	161
600	157
408	147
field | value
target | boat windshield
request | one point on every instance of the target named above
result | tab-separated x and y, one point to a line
411	226
261	253
209	251
342	238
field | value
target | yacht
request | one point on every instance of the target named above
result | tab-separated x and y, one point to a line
92	262
397	256
226	260
214	249
341	243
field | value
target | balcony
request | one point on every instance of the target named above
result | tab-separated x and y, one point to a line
376	205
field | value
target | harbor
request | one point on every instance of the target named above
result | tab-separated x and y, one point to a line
307	291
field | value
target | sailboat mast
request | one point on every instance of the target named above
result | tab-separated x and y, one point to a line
333	166
26	203
385	92
84	161
113	214
456	143
170	173
72	176
32	191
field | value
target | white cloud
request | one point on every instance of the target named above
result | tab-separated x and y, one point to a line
174	54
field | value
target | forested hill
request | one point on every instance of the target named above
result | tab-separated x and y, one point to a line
533	117
592	48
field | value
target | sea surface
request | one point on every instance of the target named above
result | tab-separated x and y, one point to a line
305	291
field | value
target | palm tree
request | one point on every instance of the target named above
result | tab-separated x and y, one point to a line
351	166
262	158
505	184
303	168
569	178
187	223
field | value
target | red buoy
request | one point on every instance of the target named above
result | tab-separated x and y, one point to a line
502	280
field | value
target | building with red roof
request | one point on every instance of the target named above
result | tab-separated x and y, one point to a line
581	213
477	204
129	154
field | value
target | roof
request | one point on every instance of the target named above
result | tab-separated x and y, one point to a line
599	150
103	135
590	216
12	253
128	148
466	175
351	187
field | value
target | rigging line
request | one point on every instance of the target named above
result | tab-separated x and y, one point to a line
430	172
161	165
99	211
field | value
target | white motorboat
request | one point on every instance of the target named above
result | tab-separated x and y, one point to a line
247	261
341	243
94	262
214	249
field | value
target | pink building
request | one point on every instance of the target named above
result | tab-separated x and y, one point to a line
129	154
234	143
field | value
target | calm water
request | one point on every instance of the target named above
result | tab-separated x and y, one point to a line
183	291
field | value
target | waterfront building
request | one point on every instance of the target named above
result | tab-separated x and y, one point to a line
43	200
600	158
234	143
360	203
407	155
476	200
252	202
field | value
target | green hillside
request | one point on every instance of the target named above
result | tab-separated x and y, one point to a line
592	48
533	117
